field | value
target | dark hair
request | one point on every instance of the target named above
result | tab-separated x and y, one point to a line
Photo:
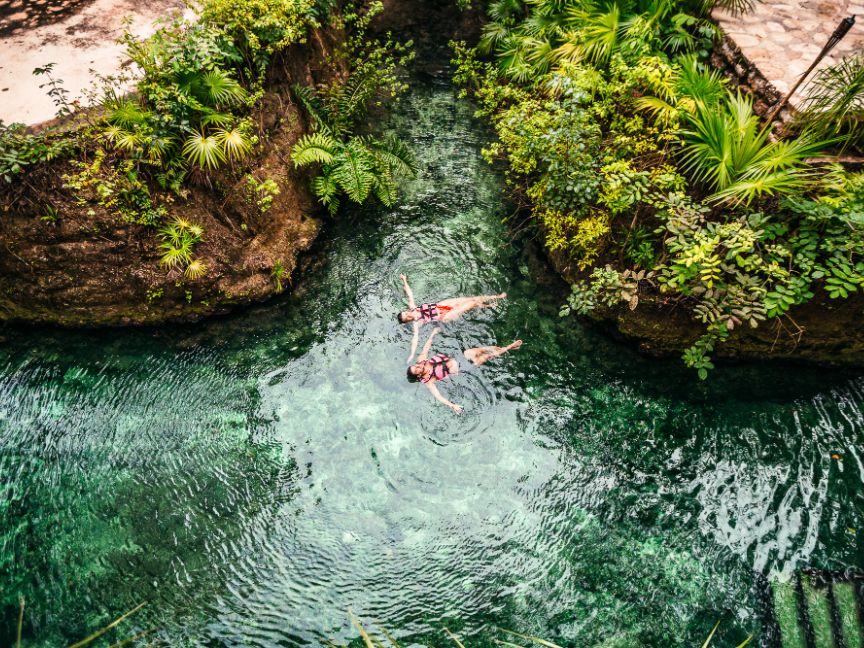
412	377
399	317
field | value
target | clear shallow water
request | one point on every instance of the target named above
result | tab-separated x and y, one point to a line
253	477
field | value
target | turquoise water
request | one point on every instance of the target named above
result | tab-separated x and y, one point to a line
253	477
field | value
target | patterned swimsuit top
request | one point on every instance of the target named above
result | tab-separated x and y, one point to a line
439	367
432	312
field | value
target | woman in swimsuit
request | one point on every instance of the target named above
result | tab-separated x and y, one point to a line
440	366
446	310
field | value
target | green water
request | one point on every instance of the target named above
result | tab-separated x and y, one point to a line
253	477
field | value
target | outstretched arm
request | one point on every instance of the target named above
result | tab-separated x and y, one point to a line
428	346
440	398
414	340
408	292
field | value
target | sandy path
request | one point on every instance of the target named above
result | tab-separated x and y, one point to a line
783	37
83	39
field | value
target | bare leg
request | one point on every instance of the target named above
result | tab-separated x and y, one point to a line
482	355
462	305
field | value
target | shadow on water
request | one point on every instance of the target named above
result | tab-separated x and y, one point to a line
254	475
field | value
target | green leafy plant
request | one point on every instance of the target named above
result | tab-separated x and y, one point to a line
727	150
179	239
647	178
261	193
278	270
20	149
834	106
356	169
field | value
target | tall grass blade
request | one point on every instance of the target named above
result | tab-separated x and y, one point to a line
93	637
126	642
536	640
711	636
20	623
454	638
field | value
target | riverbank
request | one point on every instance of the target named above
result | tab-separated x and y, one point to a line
76	262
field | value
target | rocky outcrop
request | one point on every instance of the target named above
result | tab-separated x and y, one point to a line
824	331
88	267
83	265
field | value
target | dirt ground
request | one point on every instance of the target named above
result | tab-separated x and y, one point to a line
76	35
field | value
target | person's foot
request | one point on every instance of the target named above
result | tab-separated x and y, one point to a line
515	345
502	296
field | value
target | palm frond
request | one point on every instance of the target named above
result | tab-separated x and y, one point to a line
127	114
835	102
492	37
503	10
600	34
215	118
236	144
217	88
705	86
204	151
195	270
663	112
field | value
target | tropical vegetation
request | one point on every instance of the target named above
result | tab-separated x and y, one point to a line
189	120
351	165
649	176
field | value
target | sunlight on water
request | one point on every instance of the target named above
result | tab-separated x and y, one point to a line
253	477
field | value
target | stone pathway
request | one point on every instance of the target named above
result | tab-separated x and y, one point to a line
76	35
783	37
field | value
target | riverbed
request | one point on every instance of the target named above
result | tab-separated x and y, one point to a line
253	477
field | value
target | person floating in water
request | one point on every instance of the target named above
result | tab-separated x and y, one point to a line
446	310
429	370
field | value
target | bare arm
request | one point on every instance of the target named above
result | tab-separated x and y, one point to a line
408	292
414	340
440	397
428	346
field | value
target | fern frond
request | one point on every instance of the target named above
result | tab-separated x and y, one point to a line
314	148
385	189
325	187
355	171
354	97
396	155
312	105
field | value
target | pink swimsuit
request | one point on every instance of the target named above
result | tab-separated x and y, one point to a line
439	367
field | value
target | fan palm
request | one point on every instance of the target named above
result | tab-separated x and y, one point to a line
204	150
235	143
727	151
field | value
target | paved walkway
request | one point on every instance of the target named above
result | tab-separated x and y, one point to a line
783	37
76	35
